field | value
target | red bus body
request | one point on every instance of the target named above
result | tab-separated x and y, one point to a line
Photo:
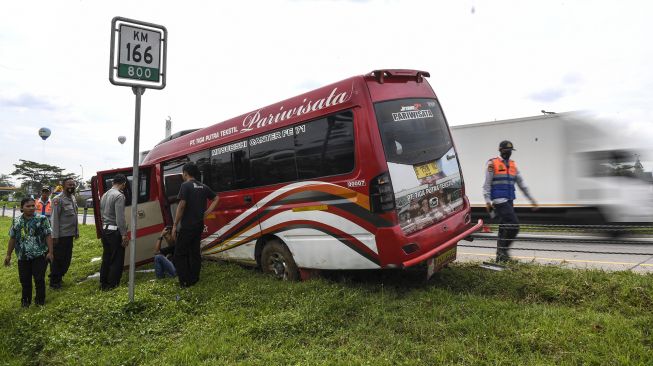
372	213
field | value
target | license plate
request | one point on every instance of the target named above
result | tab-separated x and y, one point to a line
436	263
426	170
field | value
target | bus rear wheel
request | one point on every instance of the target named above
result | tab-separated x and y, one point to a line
277	260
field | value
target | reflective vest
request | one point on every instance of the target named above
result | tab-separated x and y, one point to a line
39	207
503	182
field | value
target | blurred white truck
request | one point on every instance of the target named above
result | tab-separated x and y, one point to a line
578	170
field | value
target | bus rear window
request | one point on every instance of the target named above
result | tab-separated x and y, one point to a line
412	130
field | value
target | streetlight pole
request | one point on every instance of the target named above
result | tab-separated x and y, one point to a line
80	165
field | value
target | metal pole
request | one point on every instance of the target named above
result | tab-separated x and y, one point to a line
4	207
85	212
138	91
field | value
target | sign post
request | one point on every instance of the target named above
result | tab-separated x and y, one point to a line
138	60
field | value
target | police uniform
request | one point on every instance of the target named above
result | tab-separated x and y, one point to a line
64	229
114	227
501	175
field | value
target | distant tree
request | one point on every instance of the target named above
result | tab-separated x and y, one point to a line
35	176
5	181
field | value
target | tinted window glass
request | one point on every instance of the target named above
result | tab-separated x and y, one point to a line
202	160
242	174
412	130
326	146
229	167
172	178
272	157
144	186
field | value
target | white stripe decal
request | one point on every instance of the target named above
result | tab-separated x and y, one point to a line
326	218
250	211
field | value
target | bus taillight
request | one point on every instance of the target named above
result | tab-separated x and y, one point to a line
382	197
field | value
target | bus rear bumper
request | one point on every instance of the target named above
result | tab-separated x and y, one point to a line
444	247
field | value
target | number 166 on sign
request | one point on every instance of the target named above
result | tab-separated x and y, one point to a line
138	56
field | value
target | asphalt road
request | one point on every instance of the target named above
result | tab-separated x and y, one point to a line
536	251
89	217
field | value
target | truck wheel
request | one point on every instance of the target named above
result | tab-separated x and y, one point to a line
277	260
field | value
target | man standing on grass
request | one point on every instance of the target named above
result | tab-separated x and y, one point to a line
43	204
189	224
114	233
64	229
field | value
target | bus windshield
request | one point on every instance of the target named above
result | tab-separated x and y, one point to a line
421	161
412	130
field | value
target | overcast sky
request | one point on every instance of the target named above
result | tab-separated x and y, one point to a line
488	60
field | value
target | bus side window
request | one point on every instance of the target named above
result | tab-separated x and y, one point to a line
172	184
241	173
273	161
172	179
203	162
221	174
326	146
143	189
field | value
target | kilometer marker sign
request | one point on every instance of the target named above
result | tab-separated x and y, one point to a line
137	59
138	55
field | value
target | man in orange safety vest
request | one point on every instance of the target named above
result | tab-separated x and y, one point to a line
43	203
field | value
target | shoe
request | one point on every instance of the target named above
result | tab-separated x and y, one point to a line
25	303
55	286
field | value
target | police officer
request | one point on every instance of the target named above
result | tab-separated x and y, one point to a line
501	174
43	204
64	229
114	233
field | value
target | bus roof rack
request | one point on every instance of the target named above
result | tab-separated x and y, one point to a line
381	75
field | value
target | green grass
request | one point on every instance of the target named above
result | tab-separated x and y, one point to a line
465	315
633	230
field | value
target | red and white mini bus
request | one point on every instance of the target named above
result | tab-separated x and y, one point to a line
360	174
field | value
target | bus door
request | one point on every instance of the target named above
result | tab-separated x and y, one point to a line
149	215
172	181
231	231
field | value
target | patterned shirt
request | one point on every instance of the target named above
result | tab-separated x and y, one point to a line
30	236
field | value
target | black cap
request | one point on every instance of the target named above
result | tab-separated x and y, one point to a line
505	144
45	189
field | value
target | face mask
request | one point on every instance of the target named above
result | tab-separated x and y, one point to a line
70	190
506	154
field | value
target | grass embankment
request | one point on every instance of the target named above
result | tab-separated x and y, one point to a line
464	315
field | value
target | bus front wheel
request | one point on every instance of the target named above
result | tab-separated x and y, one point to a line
277	260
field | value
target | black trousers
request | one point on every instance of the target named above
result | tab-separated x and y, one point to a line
188	258
113	258
508	228
63	253
28	269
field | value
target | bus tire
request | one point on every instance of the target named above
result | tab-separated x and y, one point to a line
277	260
